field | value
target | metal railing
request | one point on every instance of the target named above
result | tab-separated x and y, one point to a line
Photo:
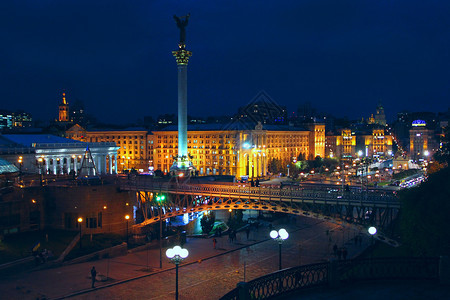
336	273
266	193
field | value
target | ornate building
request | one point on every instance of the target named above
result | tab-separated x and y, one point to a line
351	144
132	145
237	149
423	142
48	154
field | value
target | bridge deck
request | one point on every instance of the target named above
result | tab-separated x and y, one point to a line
297	194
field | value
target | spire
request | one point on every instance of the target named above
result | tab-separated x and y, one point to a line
63	109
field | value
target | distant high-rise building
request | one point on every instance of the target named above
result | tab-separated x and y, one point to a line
6	120
77	114
22	119
63	110
306	112
263	109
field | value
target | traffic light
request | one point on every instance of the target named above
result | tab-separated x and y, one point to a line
160	197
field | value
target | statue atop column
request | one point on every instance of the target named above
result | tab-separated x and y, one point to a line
182	23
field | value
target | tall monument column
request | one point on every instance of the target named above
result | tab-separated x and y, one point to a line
182	56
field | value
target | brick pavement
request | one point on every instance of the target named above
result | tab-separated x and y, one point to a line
206	274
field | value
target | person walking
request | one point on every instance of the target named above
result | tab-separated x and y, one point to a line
247	232
214	243
335	249
344	253
93	275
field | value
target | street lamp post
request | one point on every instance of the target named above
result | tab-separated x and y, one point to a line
41	164
279	236
372	231
127	217
176	255
73	166
80	219
159	199
20	160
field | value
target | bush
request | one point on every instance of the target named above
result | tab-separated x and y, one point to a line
207	222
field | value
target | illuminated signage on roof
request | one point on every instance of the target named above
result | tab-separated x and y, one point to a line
418	123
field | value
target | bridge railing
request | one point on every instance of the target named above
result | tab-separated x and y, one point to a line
335	273
295	193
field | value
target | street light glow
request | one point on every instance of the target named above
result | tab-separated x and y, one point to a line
177	254
274	234
283	233
372	230
170	253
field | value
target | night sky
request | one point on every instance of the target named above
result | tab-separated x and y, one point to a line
342	56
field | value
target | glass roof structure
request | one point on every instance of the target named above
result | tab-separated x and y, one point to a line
7	167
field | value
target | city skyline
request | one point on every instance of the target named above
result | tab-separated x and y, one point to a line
342	57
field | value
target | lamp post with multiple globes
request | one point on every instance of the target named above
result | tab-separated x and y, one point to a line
280	236
176	255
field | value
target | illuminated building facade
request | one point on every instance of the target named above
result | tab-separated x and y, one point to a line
350	144
214	149
47	154
423	142
133	145
345	144
236	150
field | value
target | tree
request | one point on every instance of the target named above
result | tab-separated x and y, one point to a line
330	163
274	166
317	163
236	221
443	154
424	216
301	157
207	222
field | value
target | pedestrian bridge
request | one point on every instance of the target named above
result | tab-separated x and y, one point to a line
374	207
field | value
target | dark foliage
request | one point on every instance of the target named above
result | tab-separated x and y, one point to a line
207	222
425	215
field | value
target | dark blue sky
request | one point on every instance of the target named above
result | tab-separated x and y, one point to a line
342	56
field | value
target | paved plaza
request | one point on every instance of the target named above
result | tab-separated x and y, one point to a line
207	273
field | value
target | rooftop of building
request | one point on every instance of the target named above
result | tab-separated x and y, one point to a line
27	140
235	126
118	129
